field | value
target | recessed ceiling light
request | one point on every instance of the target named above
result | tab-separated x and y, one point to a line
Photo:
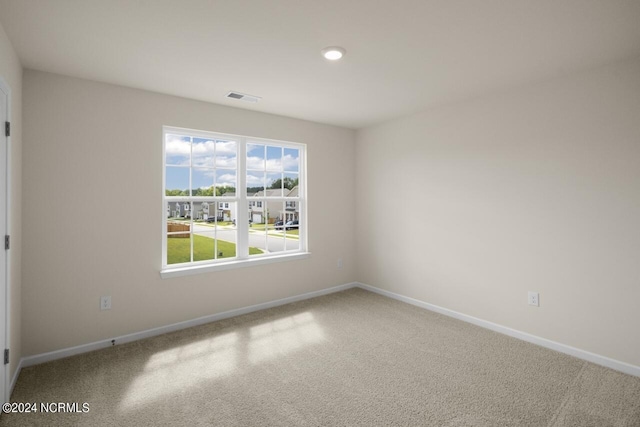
333	53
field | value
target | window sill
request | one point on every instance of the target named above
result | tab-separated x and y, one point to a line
168	273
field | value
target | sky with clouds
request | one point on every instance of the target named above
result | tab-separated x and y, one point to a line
214	162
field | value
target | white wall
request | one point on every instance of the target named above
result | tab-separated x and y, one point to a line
11	72
471	205
90	146
467	206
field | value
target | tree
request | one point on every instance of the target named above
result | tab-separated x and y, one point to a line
289	183
220	191
253	190
177	192
203	191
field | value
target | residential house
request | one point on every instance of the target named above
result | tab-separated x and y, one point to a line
227	210
179	210
202	211
291	210
266	211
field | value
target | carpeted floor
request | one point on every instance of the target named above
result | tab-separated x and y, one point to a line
350	358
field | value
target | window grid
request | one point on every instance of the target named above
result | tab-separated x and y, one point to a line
269	169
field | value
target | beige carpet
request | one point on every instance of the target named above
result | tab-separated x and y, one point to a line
350	358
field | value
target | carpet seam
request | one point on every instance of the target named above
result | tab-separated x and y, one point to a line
554	419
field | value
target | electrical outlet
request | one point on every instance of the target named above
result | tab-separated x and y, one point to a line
534	299
339	263
105	303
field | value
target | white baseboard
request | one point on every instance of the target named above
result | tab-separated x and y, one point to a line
562	348
627	368
14	379
84	348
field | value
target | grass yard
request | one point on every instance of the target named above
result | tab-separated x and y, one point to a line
291	234
179	249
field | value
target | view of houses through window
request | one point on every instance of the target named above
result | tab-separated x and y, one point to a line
229	197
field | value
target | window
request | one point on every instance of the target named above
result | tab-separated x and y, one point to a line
210	223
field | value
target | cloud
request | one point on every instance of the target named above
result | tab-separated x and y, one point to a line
255	163
227	179
287	163
291	163
226	162
226	148
254	181
219	157
274	165
178	149
252	148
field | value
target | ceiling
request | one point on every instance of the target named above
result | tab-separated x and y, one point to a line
403	56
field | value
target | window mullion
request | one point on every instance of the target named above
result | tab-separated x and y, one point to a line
192	237
165	203
302	202
242	210
265	218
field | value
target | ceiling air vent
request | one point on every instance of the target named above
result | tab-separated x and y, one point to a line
243	97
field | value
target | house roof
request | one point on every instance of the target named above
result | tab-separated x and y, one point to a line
278	192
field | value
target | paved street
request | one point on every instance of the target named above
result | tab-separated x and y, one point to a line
274	241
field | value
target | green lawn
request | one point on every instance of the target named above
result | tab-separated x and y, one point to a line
179	249
291	234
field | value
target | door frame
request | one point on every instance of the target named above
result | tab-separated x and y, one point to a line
5	393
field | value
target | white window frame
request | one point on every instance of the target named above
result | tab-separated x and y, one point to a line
241	199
